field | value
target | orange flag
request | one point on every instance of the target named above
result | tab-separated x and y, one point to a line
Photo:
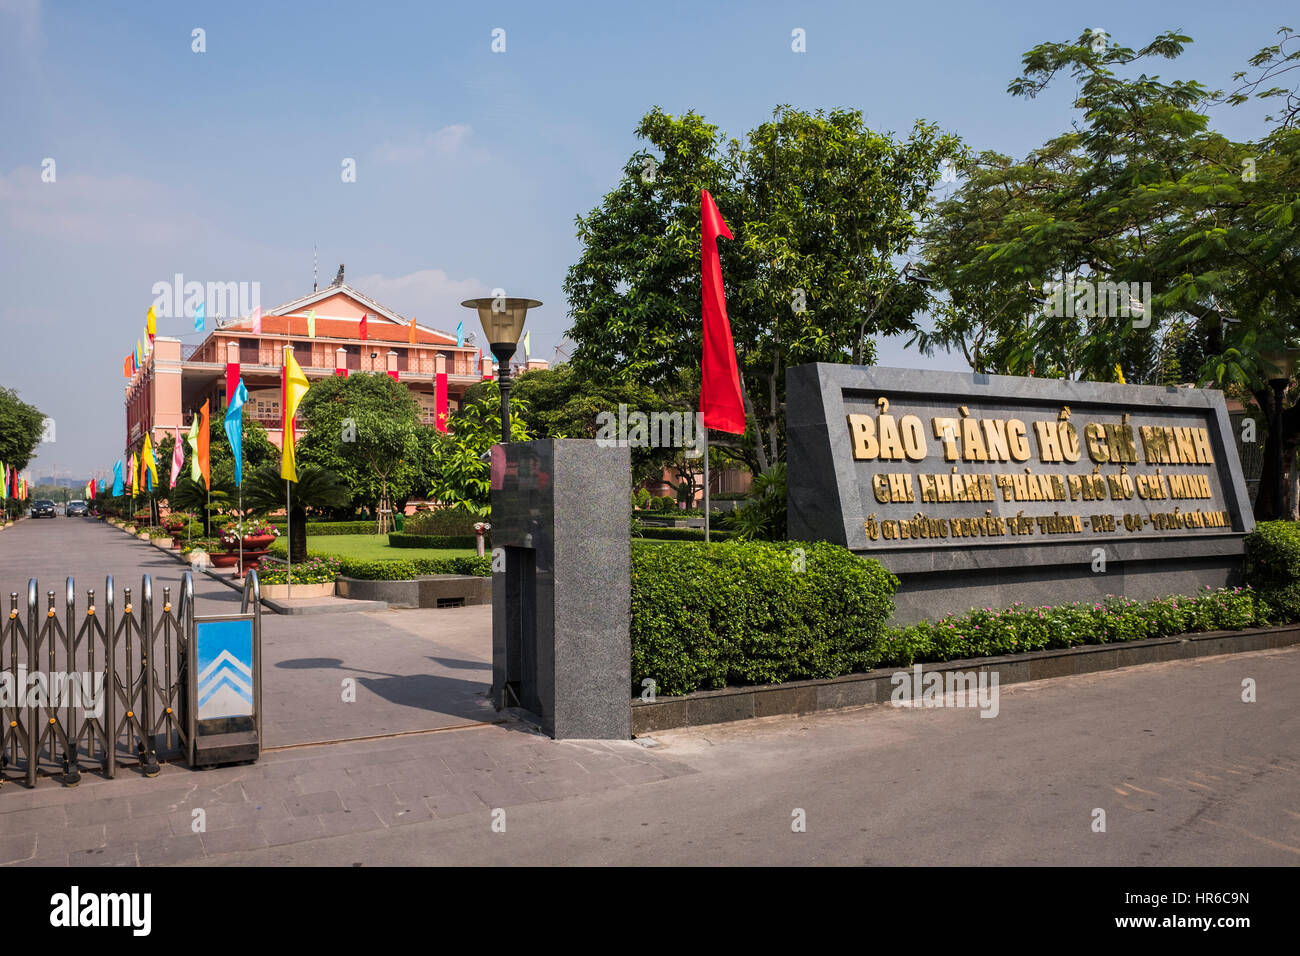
412	338
203	446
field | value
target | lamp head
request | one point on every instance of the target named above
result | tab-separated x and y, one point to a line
503	321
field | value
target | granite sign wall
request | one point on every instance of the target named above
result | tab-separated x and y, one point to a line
983	490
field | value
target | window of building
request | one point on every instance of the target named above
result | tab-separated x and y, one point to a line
354	356
402	359
302	354
248	352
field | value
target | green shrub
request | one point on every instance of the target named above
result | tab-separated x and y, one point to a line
311	571
1273	569
444	521
1021	628
331	527
407	569
401	539
666	503
680	534
642	497
753	613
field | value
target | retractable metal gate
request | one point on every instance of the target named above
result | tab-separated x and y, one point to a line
99	687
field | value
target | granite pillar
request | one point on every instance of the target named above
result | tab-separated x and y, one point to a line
561	590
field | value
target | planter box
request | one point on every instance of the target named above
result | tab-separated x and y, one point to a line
279	592
143	536
428	590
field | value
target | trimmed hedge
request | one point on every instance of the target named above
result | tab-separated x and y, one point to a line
401	539
442	521
737	612
1021	628
407	569
679	534
1273	569
331	527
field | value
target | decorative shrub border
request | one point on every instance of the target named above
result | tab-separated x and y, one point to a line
402	539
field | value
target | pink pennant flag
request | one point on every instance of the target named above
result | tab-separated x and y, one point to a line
178	457
257	320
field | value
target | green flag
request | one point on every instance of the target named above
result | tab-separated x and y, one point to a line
192	439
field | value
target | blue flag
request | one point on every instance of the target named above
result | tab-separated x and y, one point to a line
460	335
235	429
101	486
117	478
200	316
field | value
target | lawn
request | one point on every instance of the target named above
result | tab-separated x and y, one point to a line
368	547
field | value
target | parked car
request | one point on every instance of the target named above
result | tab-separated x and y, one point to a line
76	509
43	508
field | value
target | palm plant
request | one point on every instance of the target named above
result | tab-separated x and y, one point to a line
316	487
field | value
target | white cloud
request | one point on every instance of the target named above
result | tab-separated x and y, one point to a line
81	207
430	294
443	142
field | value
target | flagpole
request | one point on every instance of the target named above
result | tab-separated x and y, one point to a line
288	533
706	485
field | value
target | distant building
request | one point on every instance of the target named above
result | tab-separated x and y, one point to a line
172	385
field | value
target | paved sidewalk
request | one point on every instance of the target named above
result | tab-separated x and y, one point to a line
413	669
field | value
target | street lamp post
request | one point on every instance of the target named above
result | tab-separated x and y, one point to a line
503	324
1284	363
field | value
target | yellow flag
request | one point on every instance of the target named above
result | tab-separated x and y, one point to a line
135	475
295	387
151	323
311	323
148	462
1119	374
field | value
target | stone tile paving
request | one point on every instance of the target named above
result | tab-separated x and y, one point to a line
307	793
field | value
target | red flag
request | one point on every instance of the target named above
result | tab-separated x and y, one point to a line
363	326
232	379
720	399
440	401
204	461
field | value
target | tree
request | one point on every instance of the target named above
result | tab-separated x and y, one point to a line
821	208
460	473
21	428
265	491
365	428
1141	190
560	403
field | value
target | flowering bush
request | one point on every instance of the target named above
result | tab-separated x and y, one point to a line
311	571
236	531
1019	628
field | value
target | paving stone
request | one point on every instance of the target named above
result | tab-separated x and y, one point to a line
102	810
233	839
16	847
452	805
122	854
171	849
290	830
310	804
70	839
350	821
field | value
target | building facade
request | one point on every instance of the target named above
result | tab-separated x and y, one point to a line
172	384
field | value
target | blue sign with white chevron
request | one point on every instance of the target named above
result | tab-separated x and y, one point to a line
224	653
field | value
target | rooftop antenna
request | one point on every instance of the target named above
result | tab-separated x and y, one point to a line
313	267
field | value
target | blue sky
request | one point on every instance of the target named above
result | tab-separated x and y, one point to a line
471	165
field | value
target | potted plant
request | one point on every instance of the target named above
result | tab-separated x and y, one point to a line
255	535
